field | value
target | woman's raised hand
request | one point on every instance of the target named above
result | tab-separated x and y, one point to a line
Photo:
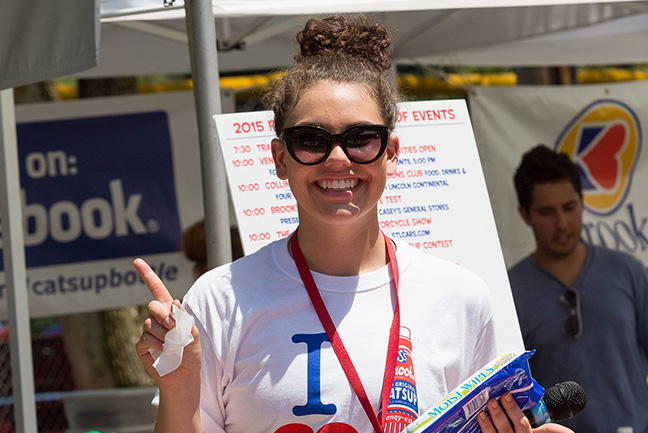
155	328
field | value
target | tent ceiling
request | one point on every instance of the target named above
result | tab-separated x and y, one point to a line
154	9
134	42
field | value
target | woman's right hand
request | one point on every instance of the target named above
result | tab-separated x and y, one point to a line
155	328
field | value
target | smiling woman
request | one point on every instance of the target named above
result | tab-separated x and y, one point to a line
315	332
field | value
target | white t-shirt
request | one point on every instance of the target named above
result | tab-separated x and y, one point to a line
267	364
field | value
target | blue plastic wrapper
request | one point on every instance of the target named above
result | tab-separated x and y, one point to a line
457	412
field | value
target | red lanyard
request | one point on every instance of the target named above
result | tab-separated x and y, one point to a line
336	341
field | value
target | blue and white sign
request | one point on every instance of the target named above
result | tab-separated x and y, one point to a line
99	187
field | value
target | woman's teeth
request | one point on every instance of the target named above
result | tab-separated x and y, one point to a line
337	184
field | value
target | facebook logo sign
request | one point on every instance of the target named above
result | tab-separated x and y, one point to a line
97	188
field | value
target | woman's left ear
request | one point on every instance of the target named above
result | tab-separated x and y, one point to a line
392	154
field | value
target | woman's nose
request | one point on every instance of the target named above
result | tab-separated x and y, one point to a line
337	155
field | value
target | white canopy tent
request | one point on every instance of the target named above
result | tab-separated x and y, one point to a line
256	35
142	37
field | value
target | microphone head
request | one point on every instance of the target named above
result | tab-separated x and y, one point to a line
564	400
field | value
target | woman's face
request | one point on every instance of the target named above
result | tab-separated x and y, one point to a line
336	191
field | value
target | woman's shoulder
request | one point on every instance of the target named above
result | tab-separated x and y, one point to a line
417	258
438	271
241	275
432	281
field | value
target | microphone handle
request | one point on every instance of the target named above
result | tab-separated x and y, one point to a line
538	414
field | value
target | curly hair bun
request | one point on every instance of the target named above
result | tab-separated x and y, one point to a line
356	37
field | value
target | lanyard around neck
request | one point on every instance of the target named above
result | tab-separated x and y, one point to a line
336	341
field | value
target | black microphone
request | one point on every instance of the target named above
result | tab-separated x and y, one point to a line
560	402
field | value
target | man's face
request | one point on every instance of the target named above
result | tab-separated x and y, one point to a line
556	217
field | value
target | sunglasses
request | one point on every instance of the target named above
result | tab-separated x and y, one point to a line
574	325
310	145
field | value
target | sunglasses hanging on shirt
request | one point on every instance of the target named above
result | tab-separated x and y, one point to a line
310	145
574	325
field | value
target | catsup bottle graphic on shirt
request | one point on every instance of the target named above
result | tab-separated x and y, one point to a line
403	401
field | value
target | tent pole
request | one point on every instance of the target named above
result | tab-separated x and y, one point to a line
13	254
204	65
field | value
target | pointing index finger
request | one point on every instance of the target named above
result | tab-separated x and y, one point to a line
152	281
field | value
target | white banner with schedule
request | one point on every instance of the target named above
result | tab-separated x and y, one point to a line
437	200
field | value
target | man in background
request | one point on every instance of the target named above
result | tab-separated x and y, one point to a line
583	308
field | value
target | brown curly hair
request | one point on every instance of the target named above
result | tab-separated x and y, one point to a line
338	49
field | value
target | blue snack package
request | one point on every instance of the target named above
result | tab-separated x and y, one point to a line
457	412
